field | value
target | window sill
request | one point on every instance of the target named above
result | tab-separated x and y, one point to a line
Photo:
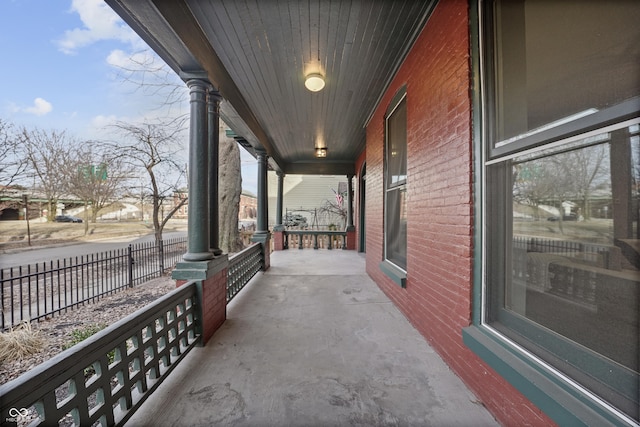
563	403
396	274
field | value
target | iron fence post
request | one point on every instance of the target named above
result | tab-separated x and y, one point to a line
2	298
161	255
130	264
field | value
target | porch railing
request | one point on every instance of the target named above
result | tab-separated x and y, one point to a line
242	267
105	378
567	269
36	291
316	239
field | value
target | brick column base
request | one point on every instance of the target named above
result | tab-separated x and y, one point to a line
351	238
211	280
278	240
266	247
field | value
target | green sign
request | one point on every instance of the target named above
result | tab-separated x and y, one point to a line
91	172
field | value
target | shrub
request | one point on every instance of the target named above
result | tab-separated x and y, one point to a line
81	334
19	342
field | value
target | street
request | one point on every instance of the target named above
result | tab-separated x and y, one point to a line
46	254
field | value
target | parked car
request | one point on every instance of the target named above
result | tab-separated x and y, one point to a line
67	218
570	217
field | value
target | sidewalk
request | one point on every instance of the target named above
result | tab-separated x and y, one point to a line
309	345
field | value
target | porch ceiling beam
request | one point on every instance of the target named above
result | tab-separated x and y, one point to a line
179	17
320	168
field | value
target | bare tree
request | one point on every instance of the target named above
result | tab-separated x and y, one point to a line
11	163
335	209
534	183
145	72
96	176
157	149
564	177
586	169
47	154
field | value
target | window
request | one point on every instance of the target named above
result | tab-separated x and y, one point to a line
562	189
395	248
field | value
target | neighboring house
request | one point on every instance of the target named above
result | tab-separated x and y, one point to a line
248	206
183	210
456	99
246	212
318	198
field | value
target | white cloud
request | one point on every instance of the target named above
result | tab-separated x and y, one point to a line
100	23
40	107
118	58
100	122
132	61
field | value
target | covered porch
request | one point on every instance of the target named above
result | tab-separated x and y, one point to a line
313	341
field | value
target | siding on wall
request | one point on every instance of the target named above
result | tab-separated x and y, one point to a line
438	296
302	192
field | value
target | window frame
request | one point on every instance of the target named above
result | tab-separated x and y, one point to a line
553	391
586	365
537	137
389	266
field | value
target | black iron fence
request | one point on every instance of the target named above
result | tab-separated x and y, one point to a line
37	291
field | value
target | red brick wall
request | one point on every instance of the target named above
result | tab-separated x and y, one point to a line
214	303
438	295
278	240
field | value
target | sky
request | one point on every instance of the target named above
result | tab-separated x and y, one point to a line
62	70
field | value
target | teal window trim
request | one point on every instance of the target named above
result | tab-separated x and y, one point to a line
394	272
560	400
395	101
622	380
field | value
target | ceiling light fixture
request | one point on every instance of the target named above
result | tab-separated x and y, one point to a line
321	152
314	82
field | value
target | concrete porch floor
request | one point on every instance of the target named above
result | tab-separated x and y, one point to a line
313	342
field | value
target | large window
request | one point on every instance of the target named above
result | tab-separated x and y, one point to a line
562	189
396	183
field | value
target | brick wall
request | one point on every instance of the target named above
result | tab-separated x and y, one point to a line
438	296
214	303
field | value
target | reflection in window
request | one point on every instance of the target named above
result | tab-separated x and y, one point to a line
565	270
397	238
397	145
557	62
561	100
395	185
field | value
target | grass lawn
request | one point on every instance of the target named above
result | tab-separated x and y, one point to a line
14	233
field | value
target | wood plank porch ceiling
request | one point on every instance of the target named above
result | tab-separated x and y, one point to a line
258	52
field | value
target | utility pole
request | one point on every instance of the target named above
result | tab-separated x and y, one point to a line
25	200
